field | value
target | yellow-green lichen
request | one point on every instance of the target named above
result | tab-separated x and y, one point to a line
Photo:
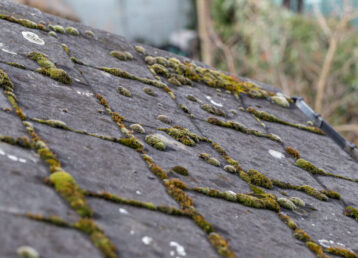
155	142
271	118
67	187
49	69
124	91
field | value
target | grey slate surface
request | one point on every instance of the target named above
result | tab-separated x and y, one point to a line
102	165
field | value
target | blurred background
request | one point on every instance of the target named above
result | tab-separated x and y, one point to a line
306	47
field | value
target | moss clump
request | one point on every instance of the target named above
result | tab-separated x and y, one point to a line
182	135
192	98
230	169
51	219
124	91
132	142
53	123
286	203
65	48
164	119
213	110
89	33
49	69
304	164
150	91
20	141
160	69
102	100
20	113
27	252
214	162
175	190
57	28
297	201
137	128
271	118
340	251
119	54
24	22
118	72
72	31
184	108
67	187
20	66
221	245
293	152
149	60
301	235
331	194
351	212
156	170
259	179
280	100
317	249
155	142
174	81
140	50
180	170
97	236
288	221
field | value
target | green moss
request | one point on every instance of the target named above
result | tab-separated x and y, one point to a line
49	69
128	55
150	91
184	108
164	119
20	113
72	31
304	188
155	142
53	123
174	81
132	142
67	187
137	128
317	249
182	135
230	169
221	245
140	50
97	236
27	252
288	221
149	60
340	251
89	33
20	66
280	100
102	101
118	72
214	162
192	98
156	170
213	110
271	118
180	170
293	152
118	54
256	190
160	69
65	48
204	156
244	176
57	28
175	190
331	194
54	220
301	235
76	61
297	201
259	179
286	203
23	142
124	91
351	212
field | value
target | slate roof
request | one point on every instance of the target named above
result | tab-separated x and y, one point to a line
204	175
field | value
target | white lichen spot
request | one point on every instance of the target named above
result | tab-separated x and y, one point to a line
179	249
1	44
213	102
12	157
8	51
172	253
87	94
77	80
132	232
2	152
147	240
33	38
122	211
22	160
276	154
231	192
138	192
324	242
